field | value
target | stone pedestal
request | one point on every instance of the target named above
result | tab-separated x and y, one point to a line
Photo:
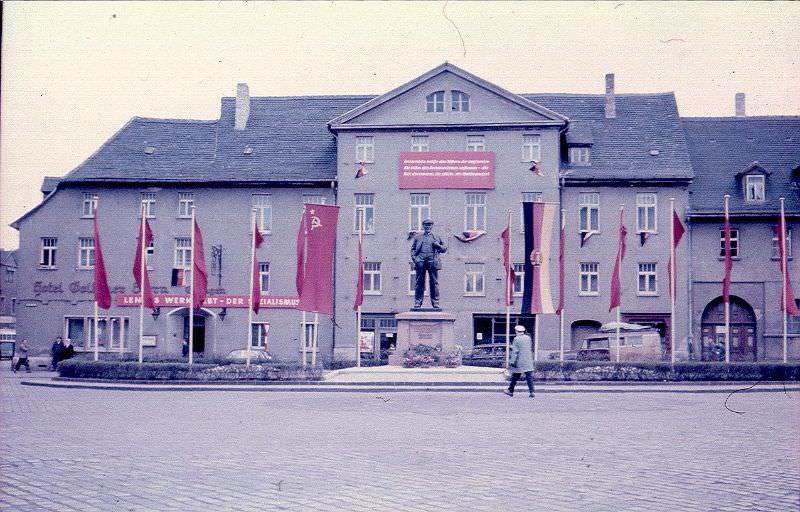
425	326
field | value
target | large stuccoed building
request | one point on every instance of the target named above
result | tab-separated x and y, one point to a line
594	154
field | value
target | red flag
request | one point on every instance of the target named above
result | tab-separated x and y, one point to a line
255	295
360	279
199	272
469	236
362	171
317	287
615	284
139	268
726	279
535	168
510	275
561	268
787	294
677	233
301	250
102	295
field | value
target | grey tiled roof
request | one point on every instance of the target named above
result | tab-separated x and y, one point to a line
183	151
49	184
622	145
289	137
724	146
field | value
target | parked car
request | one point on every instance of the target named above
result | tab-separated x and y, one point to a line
487	354
256	356
633	346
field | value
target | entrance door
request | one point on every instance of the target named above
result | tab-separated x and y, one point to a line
199	332
742	323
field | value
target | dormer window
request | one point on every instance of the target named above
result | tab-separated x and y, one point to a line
460	101
434	102
579	155
754	188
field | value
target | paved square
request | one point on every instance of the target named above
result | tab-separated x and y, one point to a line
95	450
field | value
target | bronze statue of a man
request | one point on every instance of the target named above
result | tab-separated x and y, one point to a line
425	250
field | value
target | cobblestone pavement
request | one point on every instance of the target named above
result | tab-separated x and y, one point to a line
94	450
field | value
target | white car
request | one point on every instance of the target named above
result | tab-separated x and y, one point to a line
256	356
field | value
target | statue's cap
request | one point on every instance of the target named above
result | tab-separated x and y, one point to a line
427	221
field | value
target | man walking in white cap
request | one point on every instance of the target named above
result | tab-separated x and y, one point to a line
520	361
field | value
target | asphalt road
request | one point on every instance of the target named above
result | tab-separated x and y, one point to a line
100	450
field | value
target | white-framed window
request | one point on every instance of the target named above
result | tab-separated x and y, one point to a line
420	143
647	279
185	204
113	332
589	208
419	210
476	143
262	204
475	211
646	213
734	243
10	275
85	253
364	207
148	202
263	277
310	329
589	279
183	257
260	332
793	322
579	155
519	278
365	149
47	256
89	205
313	199
459	101
149	255
527	197
788	243
434	102
754	188
372	278
412	280
473	279
531	148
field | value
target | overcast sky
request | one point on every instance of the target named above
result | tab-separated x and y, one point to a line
74	73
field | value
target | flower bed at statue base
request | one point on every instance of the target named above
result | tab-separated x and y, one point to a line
171	371
426	356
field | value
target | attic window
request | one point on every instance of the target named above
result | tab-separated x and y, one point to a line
149	150
579	155
434	102
248	150
754	188
460	101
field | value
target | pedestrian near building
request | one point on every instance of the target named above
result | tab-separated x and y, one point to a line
57	351
520	361
69	350
23	357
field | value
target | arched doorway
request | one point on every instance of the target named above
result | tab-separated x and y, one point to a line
742	325
580	330
179	328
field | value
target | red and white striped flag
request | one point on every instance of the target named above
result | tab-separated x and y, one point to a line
255	293
677	233
615	283
102	294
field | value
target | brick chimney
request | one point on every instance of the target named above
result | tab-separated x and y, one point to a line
740	112
242	106
611	103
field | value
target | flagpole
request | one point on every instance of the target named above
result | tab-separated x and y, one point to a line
536	338
619	270
360	269
784	273
561	291
142	243
121	337
96	332
305	244
314	341
191	294
672	279
252	267
509	291
303	336
727	302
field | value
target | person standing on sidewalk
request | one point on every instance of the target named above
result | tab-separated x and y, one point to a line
57	350
23	357
520	361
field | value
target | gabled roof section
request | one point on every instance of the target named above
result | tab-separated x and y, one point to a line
753	168
720	147
286	138
645	142
8	258
49	184
152	150
341	122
